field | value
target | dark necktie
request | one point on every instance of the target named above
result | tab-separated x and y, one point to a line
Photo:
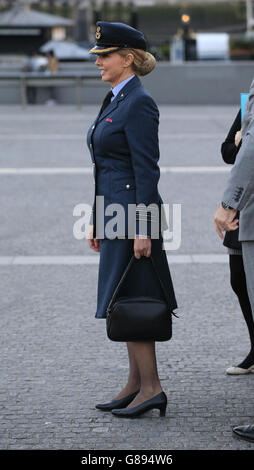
106	101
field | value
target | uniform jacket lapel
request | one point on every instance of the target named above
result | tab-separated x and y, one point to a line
113	105
132	84
120	96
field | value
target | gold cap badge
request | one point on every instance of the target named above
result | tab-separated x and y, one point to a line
98	34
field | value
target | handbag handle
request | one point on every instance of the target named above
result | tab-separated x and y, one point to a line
124	276
120	282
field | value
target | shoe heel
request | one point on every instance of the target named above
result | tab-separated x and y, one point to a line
163	410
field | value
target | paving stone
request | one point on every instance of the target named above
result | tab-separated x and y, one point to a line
57	361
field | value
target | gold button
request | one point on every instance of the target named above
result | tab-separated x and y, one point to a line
91	146
122	95
127	186
93	127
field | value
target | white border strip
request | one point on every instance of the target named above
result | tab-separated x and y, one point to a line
94	260
195	169
45	171
191	136
88	170
165	114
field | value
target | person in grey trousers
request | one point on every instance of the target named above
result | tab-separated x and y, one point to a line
239	196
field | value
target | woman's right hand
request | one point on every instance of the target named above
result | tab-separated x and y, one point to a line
238	138
142	247
94	243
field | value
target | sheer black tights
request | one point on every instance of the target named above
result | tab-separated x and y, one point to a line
238	283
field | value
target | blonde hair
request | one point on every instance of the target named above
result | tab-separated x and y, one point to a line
143	63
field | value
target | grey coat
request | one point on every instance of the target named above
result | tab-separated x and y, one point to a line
239	192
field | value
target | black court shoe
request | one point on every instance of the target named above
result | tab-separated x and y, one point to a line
122	403
159	402
245	432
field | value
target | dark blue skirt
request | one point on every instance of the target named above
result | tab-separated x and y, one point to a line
141	279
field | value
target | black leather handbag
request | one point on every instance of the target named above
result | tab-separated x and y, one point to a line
138	318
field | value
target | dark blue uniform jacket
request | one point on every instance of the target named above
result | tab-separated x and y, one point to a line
123	143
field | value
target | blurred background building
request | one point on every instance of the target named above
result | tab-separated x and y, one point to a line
194	31
160	20
23	29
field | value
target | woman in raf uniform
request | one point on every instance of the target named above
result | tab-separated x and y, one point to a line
123	142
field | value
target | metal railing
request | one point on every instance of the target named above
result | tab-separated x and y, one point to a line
32	79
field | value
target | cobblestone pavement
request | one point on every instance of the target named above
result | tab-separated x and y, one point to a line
57	361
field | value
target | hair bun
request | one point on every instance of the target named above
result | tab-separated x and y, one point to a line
143	63
147	65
